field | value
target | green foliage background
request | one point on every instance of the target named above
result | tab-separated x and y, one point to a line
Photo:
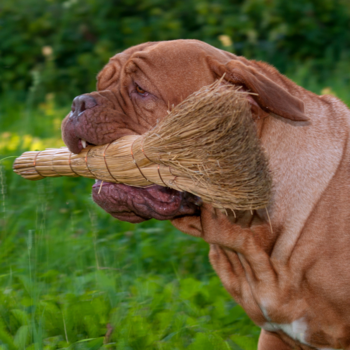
72	277
84	34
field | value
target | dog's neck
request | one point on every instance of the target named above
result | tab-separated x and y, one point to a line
303	158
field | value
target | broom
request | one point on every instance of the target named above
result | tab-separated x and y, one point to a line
207	145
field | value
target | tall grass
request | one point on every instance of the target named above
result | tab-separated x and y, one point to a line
72	277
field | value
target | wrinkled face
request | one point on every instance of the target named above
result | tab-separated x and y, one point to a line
135	90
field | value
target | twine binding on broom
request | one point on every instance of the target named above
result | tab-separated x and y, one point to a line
207	145
86	162
132	154
160	176
104	158
34	163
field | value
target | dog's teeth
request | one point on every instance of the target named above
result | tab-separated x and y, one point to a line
83	142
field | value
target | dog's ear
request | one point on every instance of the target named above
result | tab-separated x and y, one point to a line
268	95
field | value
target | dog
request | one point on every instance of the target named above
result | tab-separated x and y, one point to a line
287	265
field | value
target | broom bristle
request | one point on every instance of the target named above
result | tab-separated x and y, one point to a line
211	138
207	145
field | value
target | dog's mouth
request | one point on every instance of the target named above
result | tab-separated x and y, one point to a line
135	204
86	126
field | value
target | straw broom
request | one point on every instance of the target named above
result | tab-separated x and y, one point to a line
207	145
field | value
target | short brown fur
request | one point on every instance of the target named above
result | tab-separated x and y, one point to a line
290	269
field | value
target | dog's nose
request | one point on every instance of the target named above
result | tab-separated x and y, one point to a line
82	103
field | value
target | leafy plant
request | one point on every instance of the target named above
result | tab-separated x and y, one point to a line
65	43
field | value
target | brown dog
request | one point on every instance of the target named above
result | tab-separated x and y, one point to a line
286	266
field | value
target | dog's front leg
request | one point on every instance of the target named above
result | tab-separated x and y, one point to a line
240	254
235	254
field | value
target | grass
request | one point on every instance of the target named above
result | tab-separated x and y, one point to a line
69	273
72	277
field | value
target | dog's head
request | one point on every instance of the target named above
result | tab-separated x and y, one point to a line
137	88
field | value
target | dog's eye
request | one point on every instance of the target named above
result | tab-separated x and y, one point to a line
139	90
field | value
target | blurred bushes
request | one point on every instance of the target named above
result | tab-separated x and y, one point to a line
65	43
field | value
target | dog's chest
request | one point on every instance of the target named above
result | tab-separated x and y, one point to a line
297	330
